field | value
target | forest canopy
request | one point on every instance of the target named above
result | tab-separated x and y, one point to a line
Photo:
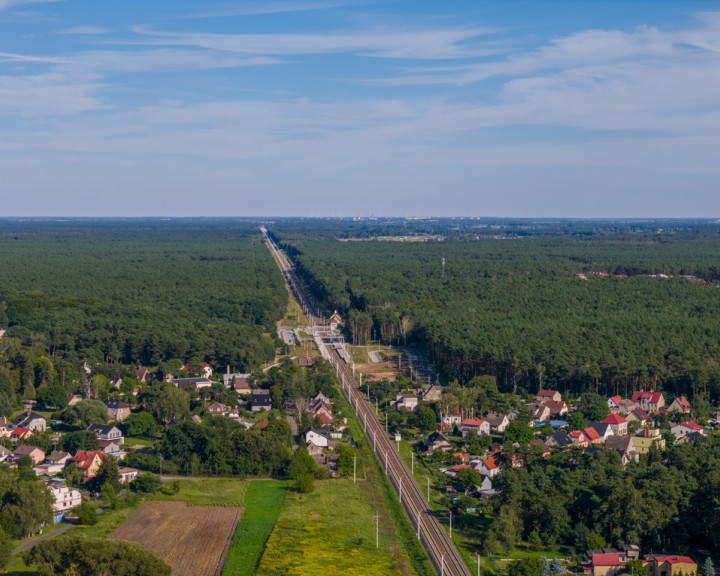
579	305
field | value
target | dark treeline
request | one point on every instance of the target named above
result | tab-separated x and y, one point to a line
509	302
133	293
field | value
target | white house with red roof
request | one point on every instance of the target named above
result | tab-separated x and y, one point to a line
476	425
618	424
488	467
685	428
649	401
680	404
614	403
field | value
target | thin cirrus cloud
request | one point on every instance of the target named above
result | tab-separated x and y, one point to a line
5	4
443	43
85	30
266	8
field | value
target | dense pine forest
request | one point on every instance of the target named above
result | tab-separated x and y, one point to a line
602	306
114	293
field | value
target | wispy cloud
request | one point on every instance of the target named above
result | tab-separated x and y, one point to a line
46	95
438	43
85	30
5	4
259	9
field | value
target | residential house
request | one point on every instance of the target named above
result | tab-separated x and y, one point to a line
592	435
31	421
488	467
143	375
192	383
34	452
548	395
640	415
485	488
335	320
452	419
261	400
48	468
680	404
649	401
117	409
316	440
498	422
5	428
110	446
432	393
618	424
686	428
127	475
217	409
56	457
437	441
4	453
627	406
557	408
116	381
88	462
669	565
241	382
545	449
404	401
192	418
603	430
647	438
623	445
476	426
20	433
614	403
541	412
606	564
559	438
322	412
205	370
579	439
65	498
689	438
106	432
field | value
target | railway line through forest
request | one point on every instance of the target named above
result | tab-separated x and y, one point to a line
441	550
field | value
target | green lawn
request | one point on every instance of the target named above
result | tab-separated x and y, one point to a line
209	492
263	501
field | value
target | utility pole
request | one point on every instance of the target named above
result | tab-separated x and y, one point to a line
412	463
428	484
442	565
450	524
160	457
354	469
478	574
418	525
386	422
400	490
377	529
385	462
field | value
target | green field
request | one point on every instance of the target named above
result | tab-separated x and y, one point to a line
209	492
263	501
331	530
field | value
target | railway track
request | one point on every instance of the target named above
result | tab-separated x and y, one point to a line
442	552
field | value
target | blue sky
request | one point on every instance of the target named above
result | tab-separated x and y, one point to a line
573	108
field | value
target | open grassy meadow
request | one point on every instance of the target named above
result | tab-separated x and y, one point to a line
331	530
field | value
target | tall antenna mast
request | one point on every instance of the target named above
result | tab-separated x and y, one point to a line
442	261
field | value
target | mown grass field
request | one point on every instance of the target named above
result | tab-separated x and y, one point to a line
263	502
330	531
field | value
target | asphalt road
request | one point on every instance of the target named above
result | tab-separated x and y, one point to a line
440	548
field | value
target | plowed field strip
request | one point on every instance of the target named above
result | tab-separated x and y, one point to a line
194	540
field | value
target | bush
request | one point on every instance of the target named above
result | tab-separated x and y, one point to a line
87	515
